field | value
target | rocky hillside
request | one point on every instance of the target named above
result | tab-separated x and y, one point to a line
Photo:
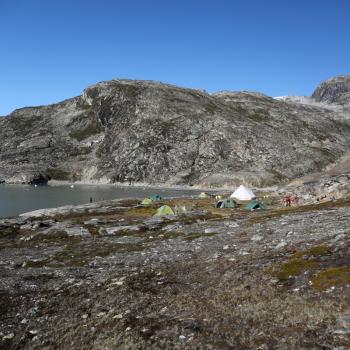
335	90
149	132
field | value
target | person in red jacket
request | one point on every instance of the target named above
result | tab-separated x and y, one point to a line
288	200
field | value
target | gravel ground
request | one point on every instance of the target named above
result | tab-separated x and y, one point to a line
111	276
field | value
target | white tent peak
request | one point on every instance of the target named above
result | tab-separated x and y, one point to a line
243	193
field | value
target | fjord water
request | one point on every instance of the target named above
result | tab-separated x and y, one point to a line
16	199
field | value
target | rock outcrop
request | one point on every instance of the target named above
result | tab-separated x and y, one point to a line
335	90
149	132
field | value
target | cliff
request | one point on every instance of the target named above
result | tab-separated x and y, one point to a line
149	132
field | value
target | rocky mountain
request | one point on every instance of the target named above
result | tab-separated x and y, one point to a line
148	132
335	90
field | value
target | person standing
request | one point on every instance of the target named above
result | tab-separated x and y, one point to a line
287	200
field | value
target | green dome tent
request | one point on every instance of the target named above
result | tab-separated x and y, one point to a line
164	210
227	203
156	198
147	201
254	205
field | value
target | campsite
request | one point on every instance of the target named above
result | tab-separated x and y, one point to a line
243	197
175	175
169	271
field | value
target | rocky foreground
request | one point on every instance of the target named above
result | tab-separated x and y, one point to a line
111	276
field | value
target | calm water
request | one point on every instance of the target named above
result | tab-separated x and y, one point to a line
16	199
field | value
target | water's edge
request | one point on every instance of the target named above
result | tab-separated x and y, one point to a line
17	199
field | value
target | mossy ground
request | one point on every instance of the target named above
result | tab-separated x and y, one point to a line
331	277
320	262
317	251
294	268
81	254
209	300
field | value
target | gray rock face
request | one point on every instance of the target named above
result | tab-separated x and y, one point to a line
48	142
144	131
335	90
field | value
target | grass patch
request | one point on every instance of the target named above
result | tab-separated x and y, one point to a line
192	236
301	261
23	124
81	255
141	211
263	216
335	276
317	251
91	129
211	107
113	213
35	263
53	238
144	282
294	268
323	276
258	117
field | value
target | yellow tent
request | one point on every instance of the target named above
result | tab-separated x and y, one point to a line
164	210
203	195
147	201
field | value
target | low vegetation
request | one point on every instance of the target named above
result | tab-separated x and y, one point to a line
331	277
89	130
59	174
115	278
294	268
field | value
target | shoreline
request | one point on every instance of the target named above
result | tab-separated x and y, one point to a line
54	183
57	183
101	193
120	184
136	192
196	188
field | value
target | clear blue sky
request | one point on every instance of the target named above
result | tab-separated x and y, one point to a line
53	49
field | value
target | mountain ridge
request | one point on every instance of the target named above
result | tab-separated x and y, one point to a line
133	131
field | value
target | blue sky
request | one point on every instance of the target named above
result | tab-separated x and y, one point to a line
52	49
